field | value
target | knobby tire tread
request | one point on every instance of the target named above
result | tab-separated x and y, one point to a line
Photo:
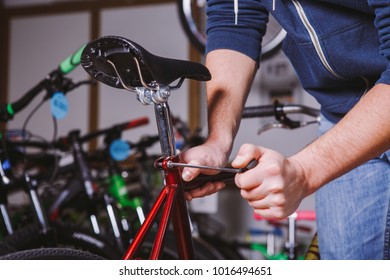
51	254
29	237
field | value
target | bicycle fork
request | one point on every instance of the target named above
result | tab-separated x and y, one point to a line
91	192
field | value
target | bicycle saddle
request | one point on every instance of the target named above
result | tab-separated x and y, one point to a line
107	57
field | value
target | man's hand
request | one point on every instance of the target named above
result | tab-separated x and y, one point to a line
205	154
275	187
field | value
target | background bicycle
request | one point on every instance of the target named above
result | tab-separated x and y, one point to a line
193	19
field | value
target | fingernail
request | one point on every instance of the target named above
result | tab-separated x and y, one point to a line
188	197
220	186
186	175
211	188
237	161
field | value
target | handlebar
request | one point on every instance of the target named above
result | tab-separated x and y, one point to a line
63	143
116	128
278	109
66	141
53	82
71	62
280	112
145	142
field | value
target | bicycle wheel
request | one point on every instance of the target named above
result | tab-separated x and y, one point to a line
227	250
203	249
62	236
51	254
193	19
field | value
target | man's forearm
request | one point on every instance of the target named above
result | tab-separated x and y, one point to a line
232	76
363	134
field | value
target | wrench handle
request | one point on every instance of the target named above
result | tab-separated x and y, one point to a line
202	179
226	177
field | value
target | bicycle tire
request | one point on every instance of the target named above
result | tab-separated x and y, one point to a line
195	31
51	254
203	249
29	237
226	249
6	249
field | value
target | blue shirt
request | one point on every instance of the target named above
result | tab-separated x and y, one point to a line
339	48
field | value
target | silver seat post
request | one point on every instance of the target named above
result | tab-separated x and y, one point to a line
159	98
165	129
156	94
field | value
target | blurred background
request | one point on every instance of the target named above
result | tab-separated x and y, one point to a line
36	35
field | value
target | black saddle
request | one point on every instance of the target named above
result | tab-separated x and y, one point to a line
135	65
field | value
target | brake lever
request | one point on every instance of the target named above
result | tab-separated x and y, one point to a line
271	126
285	126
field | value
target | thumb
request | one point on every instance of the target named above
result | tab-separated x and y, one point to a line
190	173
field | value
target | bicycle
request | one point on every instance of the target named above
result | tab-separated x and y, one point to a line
73	142
72	200
192	14
54	83
120	204
123	64
43	233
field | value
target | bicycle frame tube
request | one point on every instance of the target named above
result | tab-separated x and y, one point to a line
165	129
170	202
4	181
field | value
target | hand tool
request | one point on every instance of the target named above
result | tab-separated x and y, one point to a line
252	164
